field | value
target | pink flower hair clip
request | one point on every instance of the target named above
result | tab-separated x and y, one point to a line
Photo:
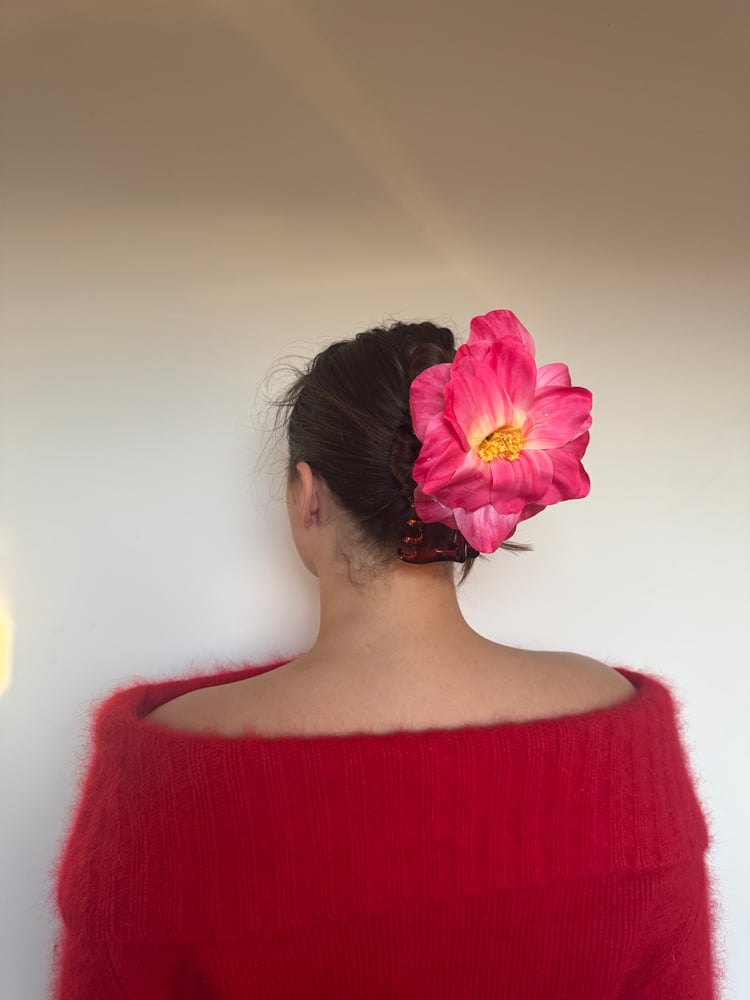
501	438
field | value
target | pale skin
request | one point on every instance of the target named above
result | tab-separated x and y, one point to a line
394	651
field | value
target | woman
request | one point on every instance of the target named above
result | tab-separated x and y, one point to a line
408	809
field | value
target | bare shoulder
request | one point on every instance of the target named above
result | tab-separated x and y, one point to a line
530	685
580	683
194	712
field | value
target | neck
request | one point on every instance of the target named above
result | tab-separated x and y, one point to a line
398	622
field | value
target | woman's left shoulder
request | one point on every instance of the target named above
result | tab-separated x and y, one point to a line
220	710
193	712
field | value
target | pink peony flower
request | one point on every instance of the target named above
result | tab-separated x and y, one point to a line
501	438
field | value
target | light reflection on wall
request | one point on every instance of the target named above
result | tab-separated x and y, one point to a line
6	639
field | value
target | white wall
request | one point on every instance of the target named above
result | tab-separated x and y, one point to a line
194	190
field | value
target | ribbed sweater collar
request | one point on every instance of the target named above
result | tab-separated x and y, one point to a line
188	837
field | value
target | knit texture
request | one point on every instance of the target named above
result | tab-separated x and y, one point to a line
559	858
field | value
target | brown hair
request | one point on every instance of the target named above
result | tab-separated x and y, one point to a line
347	415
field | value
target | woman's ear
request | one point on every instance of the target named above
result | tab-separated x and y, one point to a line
309	495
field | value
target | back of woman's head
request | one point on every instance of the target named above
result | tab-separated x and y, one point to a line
348	416
495	438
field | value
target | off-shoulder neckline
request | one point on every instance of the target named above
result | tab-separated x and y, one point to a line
127	709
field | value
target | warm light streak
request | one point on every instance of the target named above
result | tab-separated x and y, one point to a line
6	640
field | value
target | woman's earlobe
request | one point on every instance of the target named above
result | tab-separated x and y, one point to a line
311	508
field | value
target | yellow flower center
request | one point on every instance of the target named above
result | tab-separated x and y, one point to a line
505	442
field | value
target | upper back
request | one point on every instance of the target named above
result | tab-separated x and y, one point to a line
531	685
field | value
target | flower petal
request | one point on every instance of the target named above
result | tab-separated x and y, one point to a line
570	480
557	415
431	510
556	374
515	484
577	446
470	486
500	323
476	402
484	528
530	510
515	370
444	464
426	398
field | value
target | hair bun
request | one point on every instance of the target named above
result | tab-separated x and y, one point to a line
348	415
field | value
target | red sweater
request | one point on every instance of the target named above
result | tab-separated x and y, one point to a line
536	860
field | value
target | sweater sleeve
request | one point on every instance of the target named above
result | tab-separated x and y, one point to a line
674	960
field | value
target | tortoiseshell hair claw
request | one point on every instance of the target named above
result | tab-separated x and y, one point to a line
419	548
